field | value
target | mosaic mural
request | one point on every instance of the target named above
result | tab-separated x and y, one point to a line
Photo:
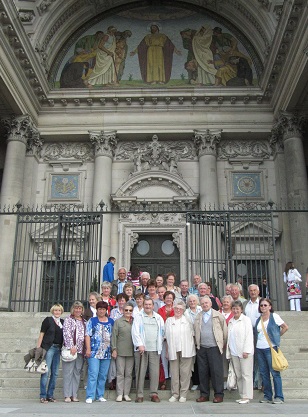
156	46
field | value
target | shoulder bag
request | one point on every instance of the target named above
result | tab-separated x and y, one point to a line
279	361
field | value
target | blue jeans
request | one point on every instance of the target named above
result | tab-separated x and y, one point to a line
265	366
97	376
52	359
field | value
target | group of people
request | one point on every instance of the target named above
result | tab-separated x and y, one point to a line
162	331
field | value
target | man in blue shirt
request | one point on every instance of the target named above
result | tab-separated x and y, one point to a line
108	270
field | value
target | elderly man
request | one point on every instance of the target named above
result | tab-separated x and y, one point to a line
118	284
211	336
235	293
147	335
252	311
196	281
204	289
183	293
144	278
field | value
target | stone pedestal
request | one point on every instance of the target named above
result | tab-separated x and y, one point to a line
104	145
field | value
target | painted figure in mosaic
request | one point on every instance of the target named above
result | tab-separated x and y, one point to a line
155	53
204	56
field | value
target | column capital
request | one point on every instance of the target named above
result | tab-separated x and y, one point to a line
104	142
289	125
206	141
34	142
18	128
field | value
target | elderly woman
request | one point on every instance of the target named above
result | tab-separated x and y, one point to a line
98	352
275	327
240	349
105	295
51	339
123	352
73	339
129	290
191	313
170	281
93	298
226	311
165	312
152	289
181	351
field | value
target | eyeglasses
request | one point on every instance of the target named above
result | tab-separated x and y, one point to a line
264	305
128	310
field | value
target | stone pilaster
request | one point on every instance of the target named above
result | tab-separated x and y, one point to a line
33	153
104	144
290	128
206	142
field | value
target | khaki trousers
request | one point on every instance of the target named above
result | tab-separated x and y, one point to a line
125	365
151	359
243	369
180	370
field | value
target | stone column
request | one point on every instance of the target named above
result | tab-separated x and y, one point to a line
104	145
33	153
206	142
290	127
11	193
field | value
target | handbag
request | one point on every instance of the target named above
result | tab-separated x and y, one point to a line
279	361
231	380
42	368
32	366
66	354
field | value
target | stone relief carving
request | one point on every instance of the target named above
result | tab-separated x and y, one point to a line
206	141
18	128
133	240
289	125
34	143
127	151
242	148
104	143
44	5
176	239
26	16
69	150
146	219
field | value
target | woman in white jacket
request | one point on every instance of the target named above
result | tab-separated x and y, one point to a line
181	351
292	278
240	349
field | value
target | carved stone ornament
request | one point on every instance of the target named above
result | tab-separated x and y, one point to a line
44	5
34	143
126	151
26	16
104	142
133	240
242	148
276	141
155	156
18	128
69	150
206	141
290	125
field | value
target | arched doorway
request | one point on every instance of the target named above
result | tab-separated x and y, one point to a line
156	254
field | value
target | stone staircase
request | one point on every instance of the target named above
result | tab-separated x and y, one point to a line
19	332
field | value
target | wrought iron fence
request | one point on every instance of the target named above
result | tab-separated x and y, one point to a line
57	258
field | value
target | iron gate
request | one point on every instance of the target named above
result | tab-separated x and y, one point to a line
57	258
232	246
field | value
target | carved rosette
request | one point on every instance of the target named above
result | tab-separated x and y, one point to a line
18	128
290	125
206	141
104	143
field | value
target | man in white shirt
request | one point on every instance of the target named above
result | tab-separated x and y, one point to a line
252	311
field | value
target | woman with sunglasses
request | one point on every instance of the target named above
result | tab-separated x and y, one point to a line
123	352
275	327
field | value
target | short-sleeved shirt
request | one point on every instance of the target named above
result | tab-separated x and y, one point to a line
100	337
262	342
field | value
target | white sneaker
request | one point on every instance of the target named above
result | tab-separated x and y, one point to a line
119	398
89	401
244	401
278	401
101	399
237	401
127	398
194	388
182	400
172	399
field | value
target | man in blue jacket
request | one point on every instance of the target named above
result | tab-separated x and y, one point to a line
108	271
